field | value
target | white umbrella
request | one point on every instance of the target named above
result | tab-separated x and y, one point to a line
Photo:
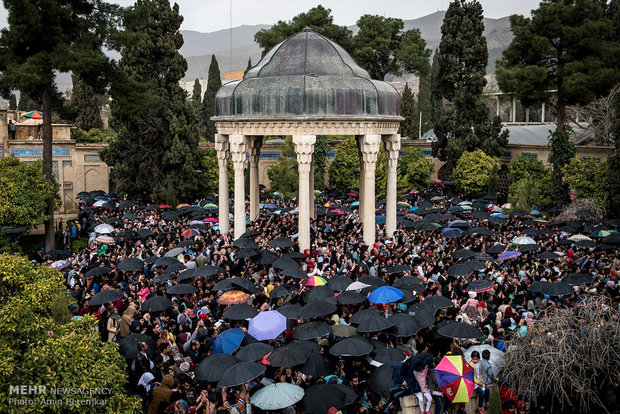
99	203
579	237
104	229
105	239
277	396
497	356
523	240
357	286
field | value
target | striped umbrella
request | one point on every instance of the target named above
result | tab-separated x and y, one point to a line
455	378
233	297
315	281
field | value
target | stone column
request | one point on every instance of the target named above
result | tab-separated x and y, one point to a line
369	148
361	199
392	149
304	147
238	148
223	155
312	187
254	145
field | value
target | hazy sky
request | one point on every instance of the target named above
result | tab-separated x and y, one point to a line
212	15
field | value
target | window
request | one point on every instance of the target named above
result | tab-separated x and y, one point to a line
92	158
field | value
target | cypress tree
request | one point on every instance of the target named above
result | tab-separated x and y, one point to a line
436	101
409	127
197	106
462	58
208	103
12	101
26	103
249	65
84	106
424	104
155	154
562	151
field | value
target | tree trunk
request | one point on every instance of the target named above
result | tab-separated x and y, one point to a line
47	166
561	117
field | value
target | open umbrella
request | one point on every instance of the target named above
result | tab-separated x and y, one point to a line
233	297
385	294
399	269
214	366
181	289
315	365
282	291
459	269
460	330
228	341
455	378
438	302
130	264
317	293
281	242
156	304
354	346
313	281
286	356
350	297
548	256
128	347
311	330
317	309
267	325
277	396
578	279
381	379
33	115
479	286
388	355
320	398
98	271
254	352
508	255
105	296
240	312
404	325
241	373
104	229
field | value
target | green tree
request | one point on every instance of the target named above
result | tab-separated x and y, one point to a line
409	127
588	179
46	37
344	171
319	19
473	171
24	191
423	111
197	105
562	151
12	101
214	82
567	46
84	108
94	135
531	185
249	65
210	172
464	125
381	47
155	154
48	350
26	103
284	176
613	170
436	100
320	162
381	174
414	170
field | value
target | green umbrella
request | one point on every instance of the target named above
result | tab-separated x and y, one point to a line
210	206
130	216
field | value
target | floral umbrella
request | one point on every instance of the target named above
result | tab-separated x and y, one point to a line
233	297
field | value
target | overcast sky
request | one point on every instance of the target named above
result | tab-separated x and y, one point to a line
212	15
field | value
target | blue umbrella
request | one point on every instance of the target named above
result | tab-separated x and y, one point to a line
385	294
355	203
380	219
445	229
228	341
535	213
508	255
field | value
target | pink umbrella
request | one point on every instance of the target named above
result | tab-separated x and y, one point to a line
210	220
338	212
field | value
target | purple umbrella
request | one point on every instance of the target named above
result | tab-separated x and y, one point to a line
193	222
508	255
267	325
445	229
60	264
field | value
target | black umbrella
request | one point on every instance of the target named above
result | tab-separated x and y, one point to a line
426	225
285	263
294	255
528	247
105	296
438	302
307	347
409	283
374	324
388	355
548	256
128	347
281	291
98	271
213	367
156	304
127	234
483	257
452	234
181	289
399	269
339	283
185	243
163	278
315	366
281	242
584	213
578	279
250	233
241	373
482	231
354	346
240	312
254	352
350	297
459	330
166	261
317	309
317	293
319	398
186	274
294	273
248	252
558	289
311	330
144	233
170	216
130	264
463	254
244	243
475	265
459	269
479	286
588	244
372	281
286	357
207	271
265	257
175	267
290	311
364	314
244	284
404	325
495	249
381	379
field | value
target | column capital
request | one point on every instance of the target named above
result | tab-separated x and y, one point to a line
392	143
304	148
238	148
222	146
369	149
254	144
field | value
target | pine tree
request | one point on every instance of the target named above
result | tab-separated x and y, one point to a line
197	105
84	106
562	151
208	103
409	127
249	65
46	37
436	100
26	103
155	154
12	101
569	46
462	57
424	104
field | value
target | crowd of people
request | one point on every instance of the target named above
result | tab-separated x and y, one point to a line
364	325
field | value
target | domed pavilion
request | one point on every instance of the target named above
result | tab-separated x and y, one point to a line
306	86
